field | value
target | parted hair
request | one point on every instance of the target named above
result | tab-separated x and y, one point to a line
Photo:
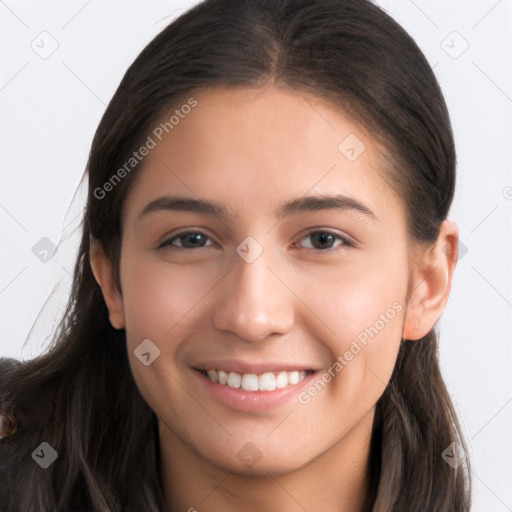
80	396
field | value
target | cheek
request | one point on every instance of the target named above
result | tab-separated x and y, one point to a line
362	313
159	298
352	298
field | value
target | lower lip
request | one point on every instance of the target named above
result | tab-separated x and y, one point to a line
242	400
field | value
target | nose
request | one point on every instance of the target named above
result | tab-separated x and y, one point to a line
256	301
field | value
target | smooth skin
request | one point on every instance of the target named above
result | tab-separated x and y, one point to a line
303	300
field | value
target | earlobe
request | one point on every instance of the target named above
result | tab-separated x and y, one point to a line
103	273
431	283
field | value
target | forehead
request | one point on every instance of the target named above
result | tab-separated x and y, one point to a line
254	148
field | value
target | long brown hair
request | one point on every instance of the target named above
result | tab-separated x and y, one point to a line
83	399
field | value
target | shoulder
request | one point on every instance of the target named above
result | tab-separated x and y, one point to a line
24	403
7	362
8	428
5	365
6	419
27	397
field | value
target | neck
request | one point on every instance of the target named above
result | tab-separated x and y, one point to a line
336	480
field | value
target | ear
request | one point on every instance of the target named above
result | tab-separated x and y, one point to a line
104	275
431	282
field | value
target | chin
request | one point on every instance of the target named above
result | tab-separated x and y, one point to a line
249	460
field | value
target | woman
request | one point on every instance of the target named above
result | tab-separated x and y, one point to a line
265	254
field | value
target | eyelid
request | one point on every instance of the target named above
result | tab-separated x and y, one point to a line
167	239
347	241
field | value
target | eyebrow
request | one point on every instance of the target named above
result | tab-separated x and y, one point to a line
293	207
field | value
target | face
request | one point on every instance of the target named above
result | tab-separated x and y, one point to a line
291	285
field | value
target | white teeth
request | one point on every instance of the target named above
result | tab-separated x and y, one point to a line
249	382
268	381
234	380
293	377
222	377
282	380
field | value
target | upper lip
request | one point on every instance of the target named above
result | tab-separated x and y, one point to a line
239	366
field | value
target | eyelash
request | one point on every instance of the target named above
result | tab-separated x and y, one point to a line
346	242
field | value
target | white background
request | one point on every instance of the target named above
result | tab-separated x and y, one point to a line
51	107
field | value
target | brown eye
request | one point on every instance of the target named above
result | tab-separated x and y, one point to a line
325	240
187	240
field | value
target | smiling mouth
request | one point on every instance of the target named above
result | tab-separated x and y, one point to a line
268	381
